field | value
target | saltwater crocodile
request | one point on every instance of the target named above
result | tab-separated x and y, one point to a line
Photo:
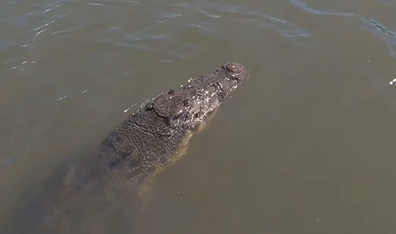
125	161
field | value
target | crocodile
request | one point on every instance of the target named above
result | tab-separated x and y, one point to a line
130	156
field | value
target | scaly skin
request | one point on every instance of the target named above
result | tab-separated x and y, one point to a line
147	142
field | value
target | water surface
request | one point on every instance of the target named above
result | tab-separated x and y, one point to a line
305	146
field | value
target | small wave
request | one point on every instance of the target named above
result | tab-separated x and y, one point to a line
124	44
190	6
94	4
386	2
250	16
135	2
208	14
168	16
135	37
378	29
283	27
369	24
246	11
311	10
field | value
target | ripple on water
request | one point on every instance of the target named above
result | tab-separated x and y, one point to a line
285	28
20	27
54	20
381	31
244	15
368	24
387	2
191	6
168	16
304	6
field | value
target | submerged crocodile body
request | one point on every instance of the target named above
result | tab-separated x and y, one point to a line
144	144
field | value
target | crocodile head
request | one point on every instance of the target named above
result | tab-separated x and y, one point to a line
189	106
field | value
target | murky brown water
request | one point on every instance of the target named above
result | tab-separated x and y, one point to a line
306	146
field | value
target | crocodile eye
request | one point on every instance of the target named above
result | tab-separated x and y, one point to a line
149	106
186	102
171	92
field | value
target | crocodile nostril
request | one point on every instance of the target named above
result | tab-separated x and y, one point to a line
234	67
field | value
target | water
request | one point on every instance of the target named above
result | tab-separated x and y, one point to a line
305	146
